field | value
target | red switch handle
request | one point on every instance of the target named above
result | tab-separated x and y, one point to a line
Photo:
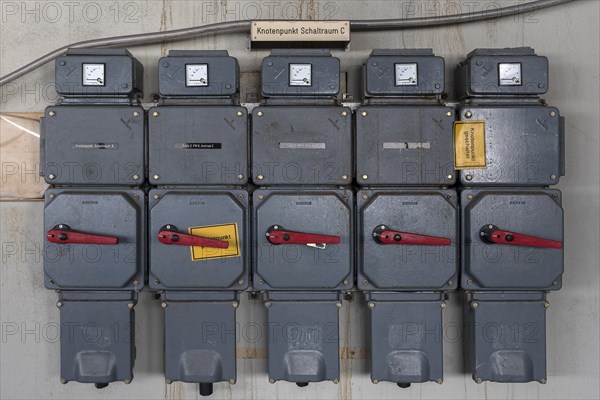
279	235
170	235
63	234
384	235
493	235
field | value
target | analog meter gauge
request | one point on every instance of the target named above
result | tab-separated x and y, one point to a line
510	74
93	75
196	75
406	74
300	74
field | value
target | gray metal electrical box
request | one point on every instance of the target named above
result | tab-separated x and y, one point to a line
302	145
303	336
198	73
403	72
502	72
505	336
406	337
95	239
512	239
200	336
407	239
93	145
303	239
524	145
198	239
97	341
404	145
198	145
300	73
99	73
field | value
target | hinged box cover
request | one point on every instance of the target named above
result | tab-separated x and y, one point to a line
321	258
407	239
198	239
512	239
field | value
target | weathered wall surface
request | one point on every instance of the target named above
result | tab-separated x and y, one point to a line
567	35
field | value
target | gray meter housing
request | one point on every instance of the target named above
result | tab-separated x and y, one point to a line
317	71
502	72
99	73
198	73
403	72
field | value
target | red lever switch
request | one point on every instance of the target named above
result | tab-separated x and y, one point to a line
170	235
63	234
384	235
278	235
493	235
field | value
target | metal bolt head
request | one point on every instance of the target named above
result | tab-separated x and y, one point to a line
239	113
553	113
261	282
127	381
546	304
260	113
267	304
553	177
543	381
474	304
365	177
241	282
364	113
136	114
51	176
155	114
450	282
449	113
443	304
450	176
52	195
468	114
130	305
371	304
157	177
469	281
260	177
232	381
470	196
344	113
156	197
336	381
240	176
271	380
469	177
261	196
59	304
365	282
478	380
52	113
64	381
235	304
344	177
439	381
345	281
375	381
163	304
365	196
136	177
338	304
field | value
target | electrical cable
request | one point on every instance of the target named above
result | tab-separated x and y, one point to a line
244	26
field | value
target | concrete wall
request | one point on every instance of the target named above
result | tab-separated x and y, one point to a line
567	35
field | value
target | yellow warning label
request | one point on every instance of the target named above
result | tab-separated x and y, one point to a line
469	145
226	232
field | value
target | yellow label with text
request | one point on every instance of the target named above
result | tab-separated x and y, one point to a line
469	145
226	232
